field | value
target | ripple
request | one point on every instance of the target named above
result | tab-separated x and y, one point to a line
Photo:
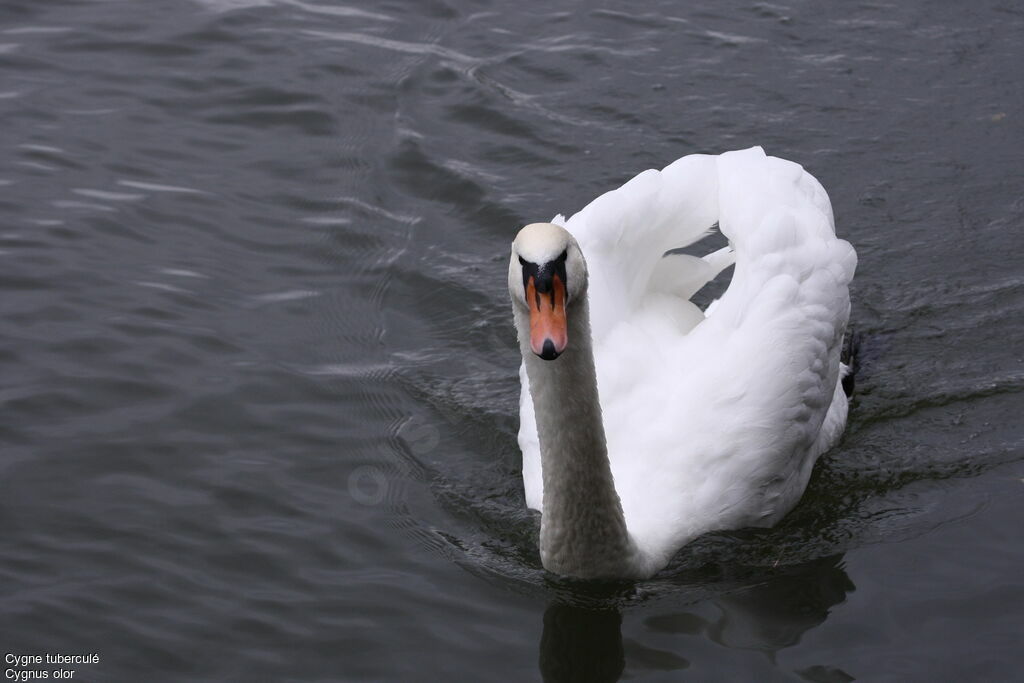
107	195
181	272
313	8
74	204
395	45
290	295
731	39
157	187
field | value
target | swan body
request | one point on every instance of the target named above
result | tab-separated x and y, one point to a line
646	422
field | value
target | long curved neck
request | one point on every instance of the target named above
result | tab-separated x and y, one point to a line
583	531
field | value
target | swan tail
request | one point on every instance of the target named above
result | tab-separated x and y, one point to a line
849	360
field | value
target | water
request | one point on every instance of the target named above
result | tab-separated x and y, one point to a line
258	373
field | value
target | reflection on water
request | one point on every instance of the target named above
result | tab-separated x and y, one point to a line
581	644
773	615
582	640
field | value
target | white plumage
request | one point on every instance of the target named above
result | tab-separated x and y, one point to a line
711	421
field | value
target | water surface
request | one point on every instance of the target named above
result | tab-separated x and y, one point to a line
259	391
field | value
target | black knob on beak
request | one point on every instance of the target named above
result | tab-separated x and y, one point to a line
548	352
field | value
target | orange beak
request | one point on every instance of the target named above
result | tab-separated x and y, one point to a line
549	334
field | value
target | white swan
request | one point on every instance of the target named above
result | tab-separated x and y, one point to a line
645	422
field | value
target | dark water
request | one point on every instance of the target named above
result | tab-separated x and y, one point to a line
257	372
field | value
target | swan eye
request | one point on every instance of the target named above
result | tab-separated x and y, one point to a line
563	256
522	262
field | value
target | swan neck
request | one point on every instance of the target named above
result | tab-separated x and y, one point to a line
583	530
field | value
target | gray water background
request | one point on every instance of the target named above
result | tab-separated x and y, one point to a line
258	392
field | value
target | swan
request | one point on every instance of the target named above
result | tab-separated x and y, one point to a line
646	422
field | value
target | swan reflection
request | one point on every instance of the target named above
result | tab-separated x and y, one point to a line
581	644
769	614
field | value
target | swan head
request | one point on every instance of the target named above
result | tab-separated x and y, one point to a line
546	274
